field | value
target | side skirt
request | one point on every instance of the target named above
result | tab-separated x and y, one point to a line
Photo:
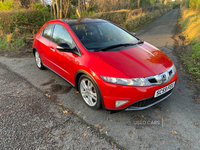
60	76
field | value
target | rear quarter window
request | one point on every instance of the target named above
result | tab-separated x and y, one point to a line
47	31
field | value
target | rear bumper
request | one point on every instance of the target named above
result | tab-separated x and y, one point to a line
138	97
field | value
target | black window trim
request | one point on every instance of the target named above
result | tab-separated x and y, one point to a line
42	33
51	37
79	52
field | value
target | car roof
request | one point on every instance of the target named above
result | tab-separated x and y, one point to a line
82	21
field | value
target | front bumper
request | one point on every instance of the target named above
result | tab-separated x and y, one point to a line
139	97
146	103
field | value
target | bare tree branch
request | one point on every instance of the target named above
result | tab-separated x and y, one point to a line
60	9
54	10
57	6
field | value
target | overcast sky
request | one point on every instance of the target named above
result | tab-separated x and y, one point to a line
47	1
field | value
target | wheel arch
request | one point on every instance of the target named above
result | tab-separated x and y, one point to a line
34	49
77	77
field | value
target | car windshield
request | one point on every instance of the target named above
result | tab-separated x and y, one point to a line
95	36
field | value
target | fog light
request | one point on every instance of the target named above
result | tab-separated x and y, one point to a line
119	103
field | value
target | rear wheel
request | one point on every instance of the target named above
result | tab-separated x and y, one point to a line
90	92
38	60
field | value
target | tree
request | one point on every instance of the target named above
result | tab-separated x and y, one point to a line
66	4
60	9
84	4
27	3
78	9
57	9
54	11
138	4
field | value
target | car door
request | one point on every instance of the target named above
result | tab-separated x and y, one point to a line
64	61
43	44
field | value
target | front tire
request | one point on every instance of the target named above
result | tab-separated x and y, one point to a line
38	60
90	92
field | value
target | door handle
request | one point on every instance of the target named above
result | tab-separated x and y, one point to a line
52	49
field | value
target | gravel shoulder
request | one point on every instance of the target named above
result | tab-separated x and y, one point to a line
31	120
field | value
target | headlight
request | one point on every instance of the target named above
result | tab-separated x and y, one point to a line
157	79
122	81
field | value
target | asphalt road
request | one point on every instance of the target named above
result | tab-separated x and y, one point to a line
171	124
31	120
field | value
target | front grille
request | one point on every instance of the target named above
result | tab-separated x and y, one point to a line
153	80
149	101
170	72
159	79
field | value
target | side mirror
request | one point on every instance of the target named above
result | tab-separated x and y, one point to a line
63	47
133	33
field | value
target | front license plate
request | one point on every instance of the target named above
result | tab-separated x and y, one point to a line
164	90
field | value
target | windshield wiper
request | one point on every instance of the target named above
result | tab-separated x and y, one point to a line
114	46
140	42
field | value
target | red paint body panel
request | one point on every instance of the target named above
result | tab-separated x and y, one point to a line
136	62
133	94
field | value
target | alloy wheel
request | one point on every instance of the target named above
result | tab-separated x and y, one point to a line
38	59
88	92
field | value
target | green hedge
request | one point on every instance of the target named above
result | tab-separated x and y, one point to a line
26	21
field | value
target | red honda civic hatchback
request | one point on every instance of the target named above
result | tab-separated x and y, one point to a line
109	66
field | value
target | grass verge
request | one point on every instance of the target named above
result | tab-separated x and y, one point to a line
189	21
